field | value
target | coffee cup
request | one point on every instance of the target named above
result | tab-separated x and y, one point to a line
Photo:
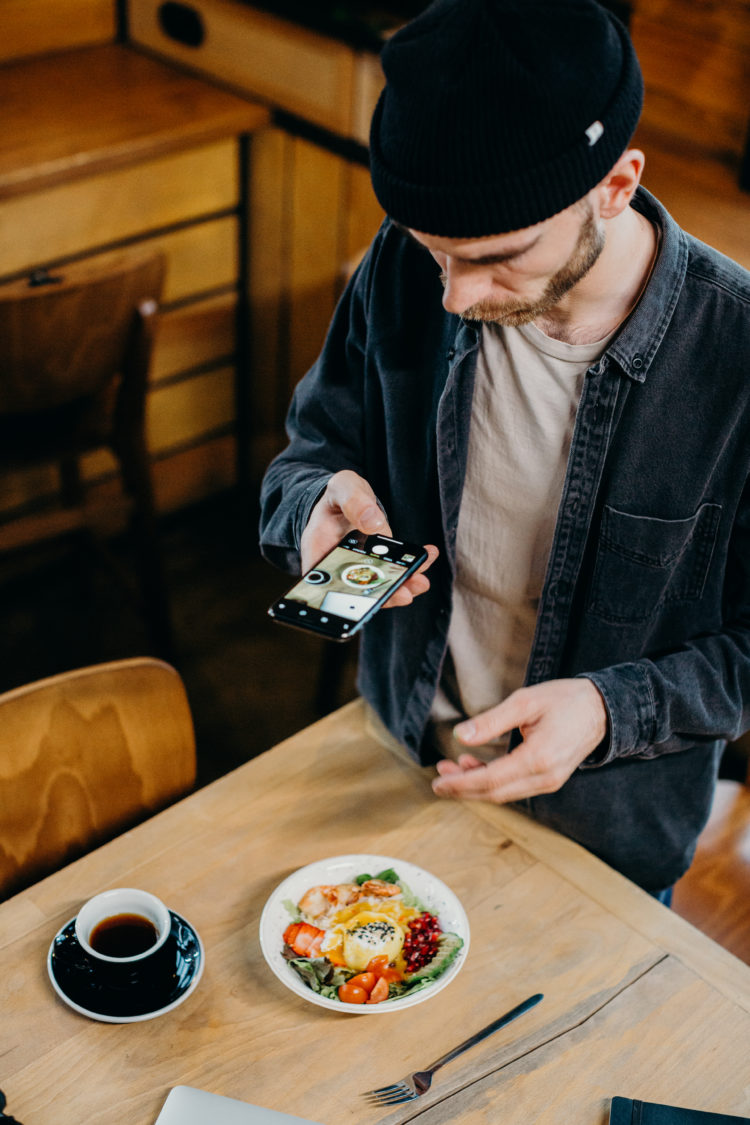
124	926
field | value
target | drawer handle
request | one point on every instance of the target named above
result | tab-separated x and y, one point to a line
182	23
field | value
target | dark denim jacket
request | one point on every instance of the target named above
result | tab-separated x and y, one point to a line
648	584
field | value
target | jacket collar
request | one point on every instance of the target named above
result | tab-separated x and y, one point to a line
635	346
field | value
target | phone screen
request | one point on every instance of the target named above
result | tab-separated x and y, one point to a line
349	584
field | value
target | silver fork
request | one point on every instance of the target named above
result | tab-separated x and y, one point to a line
414	1085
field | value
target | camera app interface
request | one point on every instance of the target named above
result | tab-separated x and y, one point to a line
348	581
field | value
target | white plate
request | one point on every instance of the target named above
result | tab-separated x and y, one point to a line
432	893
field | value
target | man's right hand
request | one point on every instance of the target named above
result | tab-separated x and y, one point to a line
349	504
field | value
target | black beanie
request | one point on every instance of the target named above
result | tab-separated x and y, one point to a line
498	114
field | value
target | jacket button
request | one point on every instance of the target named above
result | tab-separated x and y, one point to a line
451	354
637	362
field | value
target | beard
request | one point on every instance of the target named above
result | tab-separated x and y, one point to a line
513	313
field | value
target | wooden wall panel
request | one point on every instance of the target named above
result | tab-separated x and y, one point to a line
313	214
171	190
34	27
179	413
368	82
195	335
364	216
191	474
271	167
200	258
318	204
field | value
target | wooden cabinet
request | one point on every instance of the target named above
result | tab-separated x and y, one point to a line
312	209
138	153
35	27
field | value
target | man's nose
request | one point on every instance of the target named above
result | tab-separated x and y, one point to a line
463	286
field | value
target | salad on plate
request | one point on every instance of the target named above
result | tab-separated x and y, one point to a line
366	941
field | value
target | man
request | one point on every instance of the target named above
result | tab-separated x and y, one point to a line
536	372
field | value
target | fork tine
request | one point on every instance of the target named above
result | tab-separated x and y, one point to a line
395	1098
395	1090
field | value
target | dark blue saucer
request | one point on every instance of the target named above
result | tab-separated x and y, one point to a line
136	990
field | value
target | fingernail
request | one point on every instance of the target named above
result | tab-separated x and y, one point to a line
465	732
438	788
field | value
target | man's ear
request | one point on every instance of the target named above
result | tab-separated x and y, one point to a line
618	187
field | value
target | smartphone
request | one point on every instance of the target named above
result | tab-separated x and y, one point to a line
347	587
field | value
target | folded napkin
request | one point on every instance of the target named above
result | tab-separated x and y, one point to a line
626	1111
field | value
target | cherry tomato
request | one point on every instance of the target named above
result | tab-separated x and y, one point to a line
382	968
380	992
364	980
352	994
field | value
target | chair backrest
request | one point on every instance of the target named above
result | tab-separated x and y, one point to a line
85	754
66	338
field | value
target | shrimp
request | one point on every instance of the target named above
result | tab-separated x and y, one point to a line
379	889
320	900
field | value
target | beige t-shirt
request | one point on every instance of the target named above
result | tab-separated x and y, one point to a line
523	414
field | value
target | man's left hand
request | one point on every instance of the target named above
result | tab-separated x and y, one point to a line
561	721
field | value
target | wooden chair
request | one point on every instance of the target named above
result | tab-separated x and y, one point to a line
74	362
84	755
715	893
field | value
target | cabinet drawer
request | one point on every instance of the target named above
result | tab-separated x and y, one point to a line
289	66
74	218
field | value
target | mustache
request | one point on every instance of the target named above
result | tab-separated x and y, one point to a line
513	313
509	313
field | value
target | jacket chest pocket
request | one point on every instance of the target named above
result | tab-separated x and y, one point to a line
643	563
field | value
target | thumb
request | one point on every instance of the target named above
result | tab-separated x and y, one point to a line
487	725
355	499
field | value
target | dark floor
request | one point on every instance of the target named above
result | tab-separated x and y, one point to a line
250	682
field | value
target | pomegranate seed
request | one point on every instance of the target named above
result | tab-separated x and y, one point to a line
420	944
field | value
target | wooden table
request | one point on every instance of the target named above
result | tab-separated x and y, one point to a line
637	1002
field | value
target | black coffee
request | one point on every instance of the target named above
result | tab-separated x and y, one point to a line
123	935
